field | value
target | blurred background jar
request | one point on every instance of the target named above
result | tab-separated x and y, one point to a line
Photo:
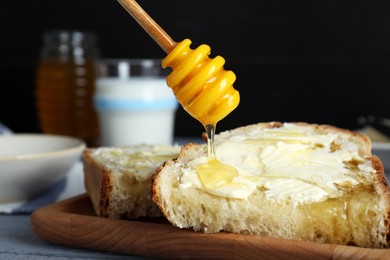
65	84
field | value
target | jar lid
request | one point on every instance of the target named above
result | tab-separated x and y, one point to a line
74	38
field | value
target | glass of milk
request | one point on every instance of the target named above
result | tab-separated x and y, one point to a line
134	103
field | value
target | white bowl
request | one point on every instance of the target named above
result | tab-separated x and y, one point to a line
31	163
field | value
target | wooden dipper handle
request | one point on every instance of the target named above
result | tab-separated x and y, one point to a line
149	25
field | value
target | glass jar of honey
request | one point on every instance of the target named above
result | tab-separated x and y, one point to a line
65	85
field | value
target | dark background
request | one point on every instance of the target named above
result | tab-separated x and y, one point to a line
315	61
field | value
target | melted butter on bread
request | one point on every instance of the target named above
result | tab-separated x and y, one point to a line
288	163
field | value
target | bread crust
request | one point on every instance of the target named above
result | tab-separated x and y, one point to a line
98	183
381	184
382	188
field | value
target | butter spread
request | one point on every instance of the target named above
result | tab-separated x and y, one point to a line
287	163
140	160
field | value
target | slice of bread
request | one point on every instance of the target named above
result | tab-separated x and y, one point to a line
118	179
311	182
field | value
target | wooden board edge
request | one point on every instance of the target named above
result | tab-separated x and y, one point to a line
60	223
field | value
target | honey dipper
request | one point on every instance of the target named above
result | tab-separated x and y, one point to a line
200	84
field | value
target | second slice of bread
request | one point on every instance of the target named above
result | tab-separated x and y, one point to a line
118	179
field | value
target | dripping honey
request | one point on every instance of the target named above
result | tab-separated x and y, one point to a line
214	174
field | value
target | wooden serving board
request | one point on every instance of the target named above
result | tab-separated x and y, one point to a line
73	222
